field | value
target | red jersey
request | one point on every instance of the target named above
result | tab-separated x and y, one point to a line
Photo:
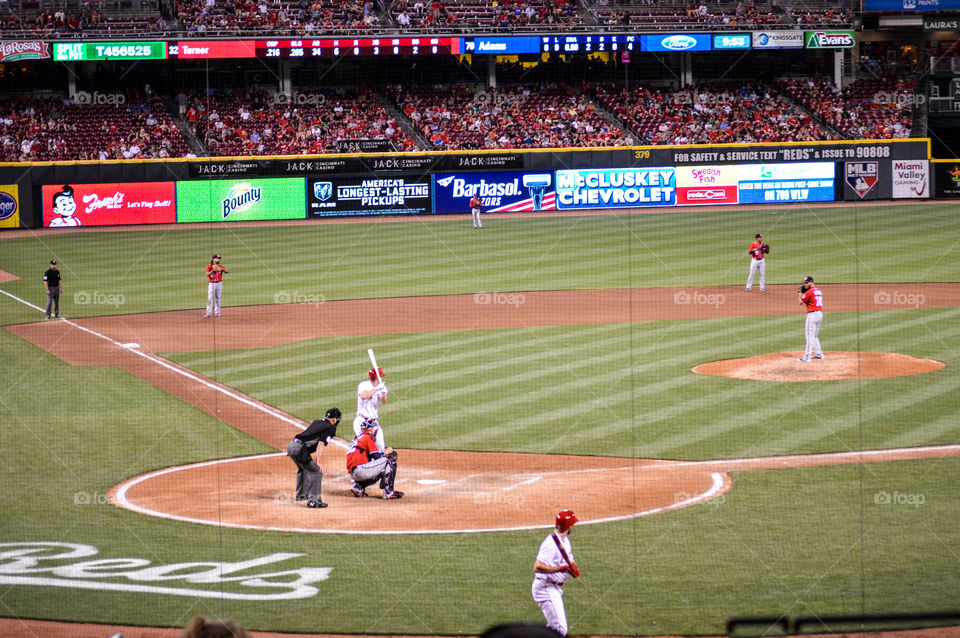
363	446
214	277
813	298
756	250
474	202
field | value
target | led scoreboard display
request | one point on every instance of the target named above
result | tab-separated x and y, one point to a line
589	43
355	46
84	51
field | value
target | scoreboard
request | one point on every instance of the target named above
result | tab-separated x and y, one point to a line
312	48
589	43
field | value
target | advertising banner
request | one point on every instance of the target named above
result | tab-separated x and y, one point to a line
911	5
911	179
616	188
676	42
69	205
506	192
830	39
9	206
860	180
947	179
371	196
228	200
702	185
794	182
14	51
778	39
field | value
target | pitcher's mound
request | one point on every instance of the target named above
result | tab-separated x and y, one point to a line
783	366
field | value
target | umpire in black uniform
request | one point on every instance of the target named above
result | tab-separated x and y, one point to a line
301	448
51	282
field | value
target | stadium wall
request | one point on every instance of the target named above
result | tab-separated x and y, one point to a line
69	194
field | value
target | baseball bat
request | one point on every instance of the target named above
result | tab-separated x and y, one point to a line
373	362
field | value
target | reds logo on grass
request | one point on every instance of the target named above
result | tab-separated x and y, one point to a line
861	176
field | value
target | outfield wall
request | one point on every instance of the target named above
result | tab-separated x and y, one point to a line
70	194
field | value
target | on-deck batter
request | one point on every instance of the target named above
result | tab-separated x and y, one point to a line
554	562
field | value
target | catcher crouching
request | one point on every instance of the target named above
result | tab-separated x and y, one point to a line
367	464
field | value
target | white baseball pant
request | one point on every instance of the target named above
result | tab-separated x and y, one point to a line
549	596
814	319
476	218
755	265
214	295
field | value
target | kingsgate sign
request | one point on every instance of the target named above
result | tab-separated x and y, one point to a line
24	50
56	564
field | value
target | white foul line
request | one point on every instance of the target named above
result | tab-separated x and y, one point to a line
183	372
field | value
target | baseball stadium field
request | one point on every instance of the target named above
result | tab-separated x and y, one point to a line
544	362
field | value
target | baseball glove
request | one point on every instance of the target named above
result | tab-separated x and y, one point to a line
766	249
803	288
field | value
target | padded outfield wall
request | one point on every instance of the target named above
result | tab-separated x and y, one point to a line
228	189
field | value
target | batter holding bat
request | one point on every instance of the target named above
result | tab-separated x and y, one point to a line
370	394
554	562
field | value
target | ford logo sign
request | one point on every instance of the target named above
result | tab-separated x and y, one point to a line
679	42
8	206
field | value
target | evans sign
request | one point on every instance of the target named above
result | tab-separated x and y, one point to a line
830	40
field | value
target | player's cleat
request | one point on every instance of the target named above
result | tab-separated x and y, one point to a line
804	359
747	289
206	316
763	290
819	356
358	491
316	504
390	496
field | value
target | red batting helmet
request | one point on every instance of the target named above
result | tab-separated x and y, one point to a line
565	520
373	373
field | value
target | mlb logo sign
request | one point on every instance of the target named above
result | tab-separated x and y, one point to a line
322	190
861	176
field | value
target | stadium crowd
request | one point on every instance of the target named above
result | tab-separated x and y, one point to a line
868	108
262	123
132	126
516	117
139	124
709	115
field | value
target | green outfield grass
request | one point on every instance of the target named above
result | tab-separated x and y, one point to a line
796	542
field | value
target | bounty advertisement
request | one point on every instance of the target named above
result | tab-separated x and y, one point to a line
71	205
368	196
232	200
790	182
506	192
616	188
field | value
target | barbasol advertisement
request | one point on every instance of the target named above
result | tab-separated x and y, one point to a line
230	200
506	192
332	196
791	182
616	188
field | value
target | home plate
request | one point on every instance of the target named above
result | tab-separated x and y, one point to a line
131	345
430	481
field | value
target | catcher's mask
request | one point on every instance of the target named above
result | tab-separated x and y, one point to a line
565	520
